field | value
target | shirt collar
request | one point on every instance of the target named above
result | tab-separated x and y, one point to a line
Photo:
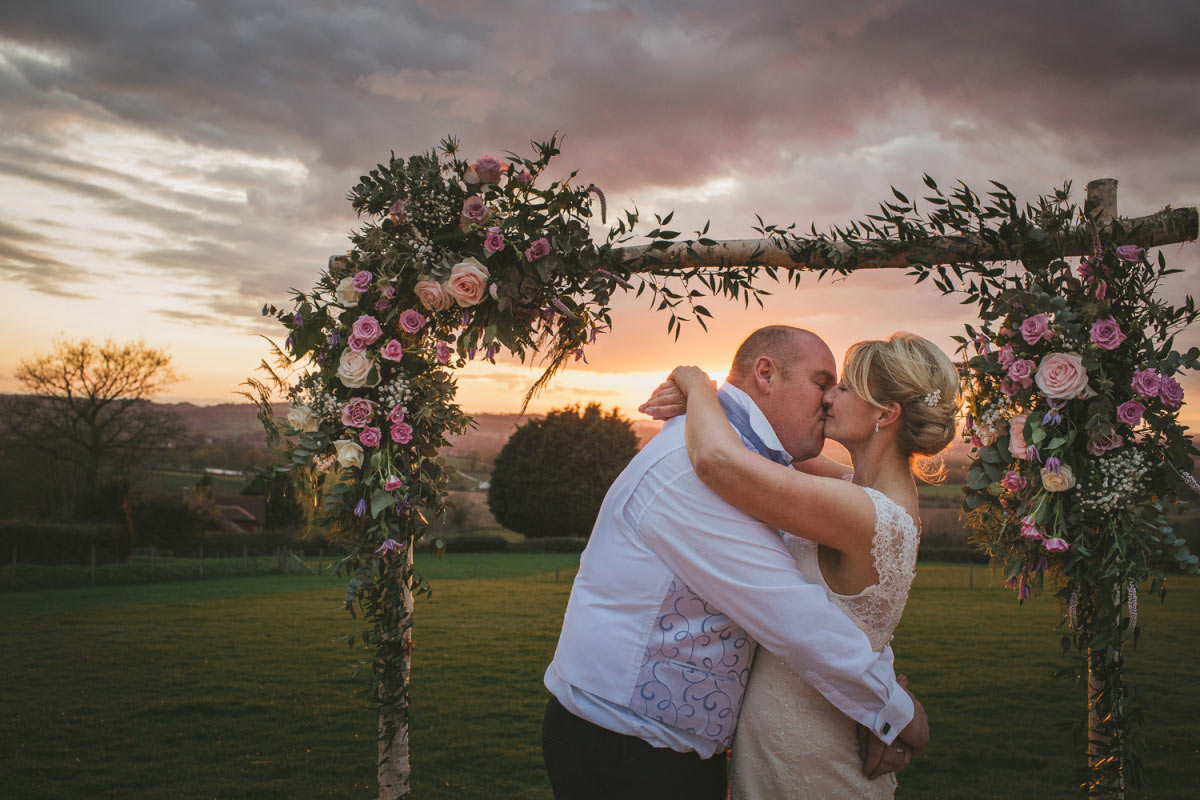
758	422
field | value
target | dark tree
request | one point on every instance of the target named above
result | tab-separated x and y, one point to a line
87	407
551	475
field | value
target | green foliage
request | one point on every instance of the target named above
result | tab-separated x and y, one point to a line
63	543
166	522
551	476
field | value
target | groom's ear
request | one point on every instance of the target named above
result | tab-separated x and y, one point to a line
764	374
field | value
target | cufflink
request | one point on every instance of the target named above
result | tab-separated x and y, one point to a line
887	726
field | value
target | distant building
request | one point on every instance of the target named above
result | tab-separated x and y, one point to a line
241	513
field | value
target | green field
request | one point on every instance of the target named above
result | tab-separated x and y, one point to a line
241	688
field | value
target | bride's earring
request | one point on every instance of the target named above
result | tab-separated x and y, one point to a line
877	426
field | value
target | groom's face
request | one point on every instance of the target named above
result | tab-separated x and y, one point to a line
795	405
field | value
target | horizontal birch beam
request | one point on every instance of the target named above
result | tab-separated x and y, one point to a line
1166	227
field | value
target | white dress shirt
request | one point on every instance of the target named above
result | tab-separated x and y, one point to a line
664	541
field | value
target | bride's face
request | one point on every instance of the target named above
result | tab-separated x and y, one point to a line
848	418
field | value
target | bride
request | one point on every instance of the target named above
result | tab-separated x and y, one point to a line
855	533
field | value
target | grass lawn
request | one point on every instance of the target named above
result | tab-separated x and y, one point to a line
241	688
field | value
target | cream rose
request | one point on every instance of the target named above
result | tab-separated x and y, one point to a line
467	282
349	454
1058	481
1016	435
1061	376
302	419
347	295
987	435
431	295
353	369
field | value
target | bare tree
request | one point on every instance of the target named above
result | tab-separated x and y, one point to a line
88	407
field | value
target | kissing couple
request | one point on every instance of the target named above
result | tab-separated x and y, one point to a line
739	590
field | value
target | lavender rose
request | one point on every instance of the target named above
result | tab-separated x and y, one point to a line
1130	253
443	353
1103	441
1170	392
431	295
1030	530
370	437
402	433
1036	328
1147	383
488	169
392	351
1006	356
474	210
1016	436
362	280
1130	412
1106	334
1021	371
1056	545
411	321
1013	481
357	343
366	328
467	282
1061	376
357	412
494	242
539	249
349	454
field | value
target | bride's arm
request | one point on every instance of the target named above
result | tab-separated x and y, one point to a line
832	512
823	467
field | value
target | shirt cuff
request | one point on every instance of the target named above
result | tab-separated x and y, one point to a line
895	716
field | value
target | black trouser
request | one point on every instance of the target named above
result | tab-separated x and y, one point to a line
587	762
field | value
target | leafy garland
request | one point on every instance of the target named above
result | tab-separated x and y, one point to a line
1072	406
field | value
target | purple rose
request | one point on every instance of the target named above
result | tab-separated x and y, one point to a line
1106	334
1021	371
366	328
362	280
381	304
1103	441
474	211
538	249
488	169
1170	392
1036	328
1130	253
357	343
370	437
1056	545
1013	481
1130	412
357	412
402	433
1006	356
1147	383
392	351
411	321
443	353
396	415
494	242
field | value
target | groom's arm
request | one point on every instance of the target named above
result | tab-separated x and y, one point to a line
742	568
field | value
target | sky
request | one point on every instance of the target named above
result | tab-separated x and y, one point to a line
168	167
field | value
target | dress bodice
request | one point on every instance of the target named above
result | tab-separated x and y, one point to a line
875	610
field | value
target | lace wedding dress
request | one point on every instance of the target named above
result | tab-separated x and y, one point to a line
793	743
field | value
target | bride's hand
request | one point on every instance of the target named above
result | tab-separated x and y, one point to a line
670	398
689	378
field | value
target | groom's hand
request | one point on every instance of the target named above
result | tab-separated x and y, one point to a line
879	759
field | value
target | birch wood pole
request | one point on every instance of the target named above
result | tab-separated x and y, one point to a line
393	767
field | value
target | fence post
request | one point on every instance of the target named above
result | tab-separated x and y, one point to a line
92	570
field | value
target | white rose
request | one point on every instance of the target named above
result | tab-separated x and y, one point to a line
467	282
349	454
347	295
302	419
353	369
1058	481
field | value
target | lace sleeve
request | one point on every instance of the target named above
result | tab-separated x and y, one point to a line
894	551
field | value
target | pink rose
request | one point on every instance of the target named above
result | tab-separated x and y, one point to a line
1130	252
1016	435
366	328
1147	382
1101	442
411	321
538	249
357	412
392	484
1036	328
1130	412
1030	530
443	353
1170	392
1021	371
474	210
357	343
488	169
1013	481
392	351
1106	334
431	295
1061	376
1056	545
362	281
381	304
402	433
1006	356
396	415
523	178
370	437
494	242
467	282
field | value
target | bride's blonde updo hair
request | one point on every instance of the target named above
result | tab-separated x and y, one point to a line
912	371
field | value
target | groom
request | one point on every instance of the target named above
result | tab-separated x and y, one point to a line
675	588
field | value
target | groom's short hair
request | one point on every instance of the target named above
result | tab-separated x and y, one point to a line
783	344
